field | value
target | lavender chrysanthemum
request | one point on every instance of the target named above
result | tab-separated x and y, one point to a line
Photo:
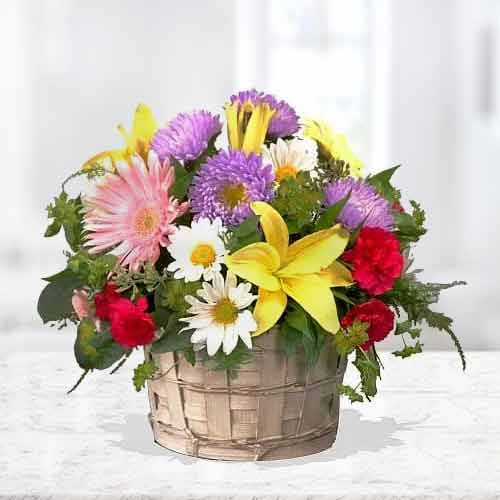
187	135
364	205
227	184
285	121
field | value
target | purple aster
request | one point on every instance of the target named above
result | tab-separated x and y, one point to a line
187	135
284	122
364	204
227	184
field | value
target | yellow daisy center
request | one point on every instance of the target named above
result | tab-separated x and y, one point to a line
285	171
232	194
225	312
203	254
146	221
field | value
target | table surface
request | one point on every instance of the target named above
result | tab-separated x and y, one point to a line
432	432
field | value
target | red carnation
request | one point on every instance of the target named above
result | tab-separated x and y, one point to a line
131	325
376	260
104	300
377	314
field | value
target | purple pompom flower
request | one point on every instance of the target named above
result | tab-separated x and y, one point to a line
364	206
284	122
187	135
227	184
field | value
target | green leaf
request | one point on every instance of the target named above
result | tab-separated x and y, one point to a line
350	392
143	372
231	362
346	340
54	303
246	233
67	213
96	350
342	296
290	339
409	350
382	182
410	227
369	371
171	294
298	319
183	179
171	340
328	217
407	327
443	323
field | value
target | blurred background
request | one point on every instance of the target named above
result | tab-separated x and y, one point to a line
410	81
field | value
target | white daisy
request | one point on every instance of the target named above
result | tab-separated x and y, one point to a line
197	250
220	319
288	158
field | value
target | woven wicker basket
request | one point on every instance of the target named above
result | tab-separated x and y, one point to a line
273	408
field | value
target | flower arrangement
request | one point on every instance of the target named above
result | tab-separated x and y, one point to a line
184	245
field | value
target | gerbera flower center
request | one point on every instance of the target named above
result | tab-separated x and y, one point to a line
233	194
225	312
286	170
146	221
203	254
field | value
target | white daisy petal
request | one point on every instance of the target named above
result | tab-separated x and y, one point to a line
230	339
215	337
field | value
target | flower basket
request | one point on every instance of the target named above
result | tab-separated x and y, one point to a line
272	408
250	271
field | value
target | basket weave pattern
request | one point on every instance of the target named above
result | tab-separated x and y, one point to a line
274	407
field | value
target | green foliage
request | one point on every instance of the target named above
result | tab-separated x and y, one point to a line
382	182
183	179
297	200
54	303
330	169
142	372
369	371
407	327
246	233
172	292
300	330
328	217
350	392
409	350
415	298
347	340
93	271
410	227
443	323
96	350
66	213
171	339
141	281
230	362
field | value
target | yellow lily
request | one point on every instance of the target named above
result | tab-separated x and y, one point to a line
137	141
334	145
247	125
304	270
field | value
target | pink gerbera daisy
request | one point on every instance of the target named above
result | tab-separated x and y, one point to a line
132	211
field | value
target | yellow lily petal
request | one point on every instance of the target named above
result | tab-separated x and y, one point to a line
256	129
313	253
256	263
268	309
336	274
100	158
274	227
143	131
316	298
334	145
232	125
